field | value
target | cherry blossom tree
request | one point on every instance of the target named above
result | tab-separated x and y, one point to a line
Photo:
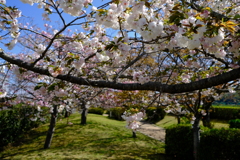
168	46
133	103
195	106
177	35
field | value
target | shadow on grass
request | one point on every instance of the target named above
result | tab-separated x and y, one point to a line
29	137
93	140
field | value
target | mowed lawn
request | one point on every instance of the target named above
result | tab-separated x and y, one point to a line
101	138
170	120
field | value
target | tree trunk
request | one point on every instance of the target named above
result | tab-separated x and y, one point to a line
134	134
51	128
178	119
67	114
206	120
207	103
83	114
196	138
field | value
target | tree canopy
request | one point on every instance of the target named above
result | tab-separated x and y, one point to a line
169	46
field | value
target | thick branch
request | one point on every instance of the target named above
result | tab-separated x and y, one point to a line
153	86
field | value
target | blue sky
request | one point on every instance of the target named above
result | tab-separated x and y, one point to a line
34	12
27	10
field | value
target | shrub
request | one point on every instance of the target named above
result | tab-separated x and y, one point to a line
217	144
15	122
179	141
234	123
225	113
155	114
220	144
116	113
96	110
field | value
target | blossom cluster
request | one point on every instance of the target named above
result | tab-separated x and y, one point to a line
9	22
3	93
74	7
140	77
119	16
132	117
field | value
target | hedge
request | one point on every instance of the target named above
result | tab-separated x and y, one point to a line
179	141
155	114
116	113
96	110
220	144
215	144
234	123
15	122
225	113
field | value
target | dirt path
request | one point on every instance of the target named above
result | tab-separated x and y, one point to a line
152	131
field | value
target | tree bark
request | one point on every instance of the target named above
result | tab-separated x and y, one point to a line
134	134
51	128
67	114
206	120
207	103
153	86
178	119
196	137
83	114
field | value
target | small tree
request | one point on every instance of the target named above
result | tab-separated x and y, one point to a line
132	117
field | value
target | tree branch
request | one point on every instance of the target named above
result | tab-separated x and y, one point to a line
153	86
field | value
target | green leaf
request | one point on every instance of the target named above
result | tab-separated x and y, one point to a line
237	16
21	70
176	17
47	59
119	39
102	11
69	62
38	86
91	32
110	46
186	57
147	4
52	87
228	10
51	66
176	7
116	1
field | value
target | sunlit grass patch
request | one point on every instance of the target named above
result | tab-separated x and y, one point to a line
170	120
167	121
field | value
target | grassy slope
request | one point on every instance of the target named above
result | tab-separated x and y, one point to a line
101	138
169	120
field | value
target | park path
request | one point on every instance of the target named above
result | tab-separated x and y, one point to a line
152	131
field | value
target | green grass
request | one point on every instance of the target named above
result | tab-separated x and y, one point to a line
170	120
226	106
220	123
167	121
101	138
